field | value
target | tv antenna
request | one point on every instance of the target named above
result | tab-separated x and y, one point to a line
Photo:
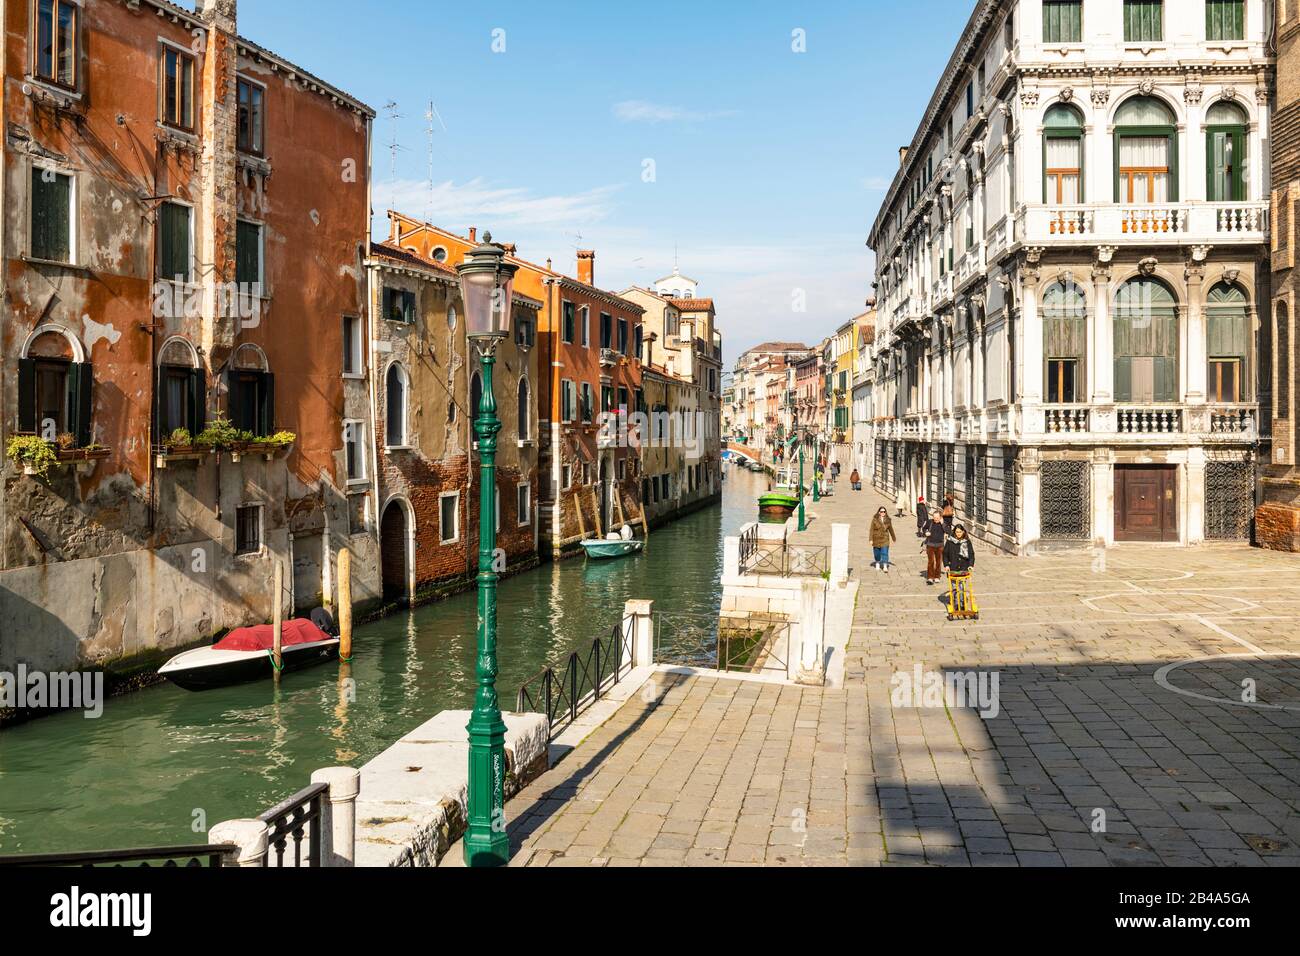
430	115
390	110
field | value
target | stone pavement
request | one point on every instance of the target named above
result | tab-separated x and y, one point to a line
1120	736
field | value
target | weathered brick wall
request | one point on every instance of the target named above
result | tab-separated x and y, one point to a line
1277	526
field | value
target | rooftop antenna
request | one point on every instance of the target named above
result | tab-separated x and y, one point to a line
430	115
390	109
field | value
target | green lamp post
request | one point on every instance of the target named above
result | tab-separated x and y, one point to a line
803	523
486	288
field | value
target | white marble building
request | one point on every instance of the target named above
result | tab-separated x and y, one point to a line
1071	262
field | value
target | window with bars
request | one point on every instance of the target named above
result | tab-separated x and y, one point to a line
1009	501
1064	499
1143	21
1062	21
1229	499
1225	19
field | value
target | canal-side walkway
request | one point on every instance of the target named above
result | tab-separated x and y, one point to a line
1147	712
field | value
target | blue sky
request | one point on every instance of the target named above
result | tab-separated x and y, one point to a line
768	165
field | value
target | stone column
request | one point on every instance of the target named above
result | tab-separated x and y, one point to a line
839	554
1103	497
638	624
1194	371
1031	383
807	653
1193	503
1101	359
1030	494
249	836
339	815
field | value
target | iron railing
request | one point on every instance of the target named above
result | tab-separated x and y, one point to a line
565	692
204	855
754	644
686	640
298	819
782	559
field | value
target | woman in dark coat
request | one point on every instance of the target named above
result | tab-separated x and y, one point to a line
934	540
959	551
922	517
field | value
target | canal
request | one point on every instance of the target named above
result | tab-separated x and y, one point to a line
162	764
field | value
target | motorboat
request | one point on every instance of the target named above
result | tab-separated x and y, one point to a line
245	654
613	545
777	504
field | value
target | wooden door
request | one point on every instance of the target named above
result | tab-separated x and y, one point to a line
1146	505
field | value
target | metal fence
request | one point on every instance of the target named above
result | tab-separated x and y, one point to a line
203	855
760	644
563	693
297	819
781	558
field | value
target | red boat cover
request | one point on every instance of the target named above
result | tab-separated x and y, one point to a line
262	637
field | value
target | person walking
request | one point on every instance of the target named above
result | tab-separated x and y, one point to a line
959	556
949	513
855	480
882	533
900	501
935	538
922	516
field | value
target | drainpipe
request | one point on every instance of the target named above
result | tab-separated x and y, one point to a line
372	333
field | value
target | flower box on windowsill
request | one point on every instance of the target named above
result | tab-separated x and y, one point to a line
267	449
176	453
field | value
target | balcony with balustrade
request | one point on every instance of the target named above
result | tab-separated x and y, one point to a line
1217	223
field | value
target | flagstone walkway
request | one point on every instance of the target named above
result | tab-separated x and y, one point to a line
1121	735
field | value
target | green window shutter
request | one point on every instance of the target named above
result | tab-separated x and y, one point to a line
27	395
198	402
248	251
1123	379
174	242
266	407
1165	379
234	397
81	386
51	216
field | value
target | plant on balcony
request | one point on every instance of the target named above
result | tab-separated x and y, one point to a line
179	441
281	439
32	452
220	434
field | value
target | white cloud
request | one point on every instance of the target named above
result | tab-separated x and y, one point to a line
642	111
456	205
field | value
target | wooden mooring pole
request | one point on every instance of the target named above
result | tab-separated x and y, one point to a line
277	624
345	604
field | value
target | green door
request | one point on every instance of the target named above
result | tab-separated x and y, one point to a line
1225	151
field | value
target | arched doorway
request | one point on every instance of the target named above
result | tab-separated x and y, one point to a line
393	538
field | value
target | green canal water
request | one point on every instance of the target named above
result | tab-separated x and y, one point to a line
161	764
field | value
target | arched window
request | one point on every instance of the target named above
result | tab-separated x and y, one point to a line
396	398
54	387
1225	153
1146	342
1226	324
1065	313
250	392
1062	155
182	390
524	430
1146	145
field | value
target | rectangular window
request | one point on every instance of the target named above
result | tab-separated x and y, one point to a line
588	402
1225	19
449	517
566	477
353	340
52	208
1063	165
622	336
523	503
250	400
566	400
1224	380
1143	21
566	328
399	305
181	396
606	398
56	42
620	468
1062	375
586	473
1062	21
524	332
606	330
354	447
178	88
174	221
1144	169
248	256
586	327
251	116
248	529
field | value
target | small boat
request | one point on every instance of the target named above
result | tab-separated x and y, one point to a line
245	655
610	547
777	504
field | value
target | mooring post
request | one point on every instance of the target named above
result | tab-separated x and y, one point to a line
277	613
345	604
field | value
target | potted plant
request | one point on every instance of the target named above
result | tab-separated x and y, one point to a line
32	452
179	442
218	435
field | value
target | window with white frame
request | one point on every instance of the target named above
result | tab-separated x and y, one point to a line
175	241
524	502
395	396
353	346
53	231
354	449
248	529
449	517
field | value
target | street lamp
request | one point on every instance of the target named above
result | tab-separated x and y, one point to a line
486	287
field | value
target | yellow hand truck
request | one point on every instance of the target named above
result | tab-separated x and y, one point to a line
961	597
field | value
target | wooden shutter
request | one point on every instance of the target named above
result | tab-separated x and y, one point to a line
233	396
266	405
198	401
1123	379
81	387
27	395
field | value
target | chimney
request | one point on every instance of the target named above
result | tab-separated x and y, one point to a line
902	155
220	12
473	233
587	266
